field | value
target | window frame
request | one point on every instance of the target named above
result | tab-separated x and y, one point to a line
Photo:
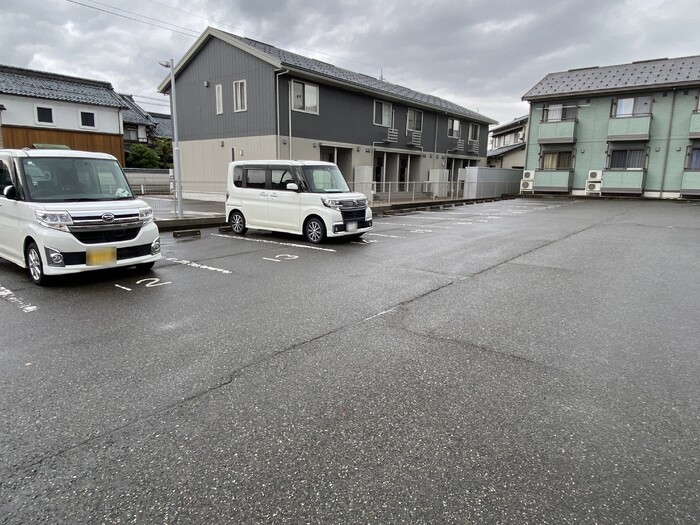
82	112
416	112
305	109
472	126
383	104
627	151
450	128
689	163
38	122
615	104
567	112
240	96
219	95
559	165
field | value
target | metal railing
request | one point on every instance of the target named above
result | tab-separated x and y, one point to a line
207	198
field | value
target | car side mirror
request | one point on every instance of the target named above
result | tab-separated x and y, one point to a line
10	192
292	186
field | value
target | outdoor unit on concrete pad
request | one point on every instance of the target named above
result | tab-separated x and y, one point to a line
527	186
593	187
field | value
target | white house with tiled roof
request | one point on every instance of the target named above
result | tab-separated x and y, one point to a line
38	108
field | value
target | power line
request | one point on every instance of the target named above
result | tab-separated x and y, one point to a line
134	19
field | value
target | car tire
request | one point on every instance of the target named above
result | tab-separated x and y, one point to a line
34	265
237	223
315	230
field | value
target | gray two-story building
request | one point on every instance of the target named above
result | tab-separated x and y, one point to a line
240	99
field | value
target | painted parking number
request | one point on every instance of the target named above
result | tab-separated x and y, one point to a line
149	282
281	257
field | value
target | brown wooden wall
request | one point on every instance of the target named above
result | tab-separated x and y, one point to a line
15	137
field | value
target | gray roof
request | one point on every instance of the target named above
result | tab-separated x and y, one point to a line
134	114
299	62
504	149
515	123
301	65
49	86
164	125
636	76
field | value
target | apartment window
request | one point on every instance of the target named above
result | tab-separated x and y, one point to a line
87	119
44	115
453	128
474	132
627	159
631	107
557	160
304	97
240	101
131	134
219	99
414	120
558	112
383	114
694	160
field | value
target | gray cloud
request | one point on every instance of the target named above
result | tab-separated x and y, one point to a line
483	55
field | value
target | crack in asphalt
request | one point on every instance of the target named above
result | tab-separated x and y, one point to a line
229	379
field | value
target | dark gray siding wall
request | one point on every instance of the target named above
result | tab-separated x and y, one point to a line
221	63
347	116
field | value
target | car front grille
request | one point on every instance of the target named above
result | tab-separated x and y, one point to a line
98	236
131	252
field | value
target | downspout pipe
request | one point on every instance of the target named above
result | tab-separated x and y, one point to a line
278	73
668	144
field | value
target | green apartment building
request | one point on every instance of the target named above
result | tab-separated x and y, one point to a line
631	129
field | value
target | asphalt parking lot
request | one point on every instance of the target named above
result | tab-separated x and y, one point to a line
521	361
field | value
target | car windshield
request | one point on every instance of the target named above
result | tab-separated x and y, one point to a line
324	179
63	179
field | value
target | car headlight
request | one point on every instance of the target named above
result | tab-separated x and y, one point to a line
146	215
58	220
335	204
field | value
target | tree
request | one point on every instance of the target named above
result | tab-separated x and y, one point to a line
141	156
164	149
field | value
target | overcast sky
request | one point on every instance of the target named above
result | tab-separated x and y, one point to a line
483	55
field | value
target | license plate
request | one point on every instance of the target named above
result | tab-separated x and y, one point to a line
101	256
351	226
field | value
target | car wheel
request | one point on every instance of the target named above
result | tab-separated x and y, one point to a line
237	222
34	265
315	230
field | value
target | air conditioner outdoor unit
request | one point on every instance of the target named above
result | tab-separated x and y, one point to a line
593	187
595	175
528	175
527	185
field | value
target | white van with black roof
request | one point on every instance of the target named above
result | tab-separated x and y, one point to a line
309	198
65	211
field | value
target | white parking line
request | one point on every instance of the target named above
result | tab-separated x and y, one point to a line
304	246
197	265
20	303
383	235
417	225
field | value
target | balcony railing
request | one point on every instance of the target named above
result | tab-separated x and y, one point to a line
473	147
629	128
460	144
623	181
695	125
553	180
392	135
558	132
